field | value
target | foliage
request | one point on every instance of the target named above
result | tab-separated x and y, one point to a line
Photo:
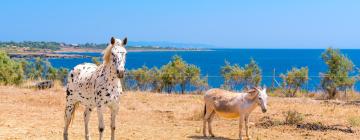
32	44
247	76
96	61
354	121
337	77
16	71
294	79
293	117
62	74
11	71
177	73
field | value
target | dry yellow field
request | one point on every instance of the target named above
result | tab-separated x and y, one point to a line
33	114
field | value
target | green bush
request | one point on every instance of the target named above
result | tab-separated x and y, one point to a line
293	117
294	79
337	77
354	121
247	76
11	72
177	73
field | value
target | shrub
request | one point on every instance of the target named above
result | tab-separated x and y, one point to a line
177	73
294	79
11	71
354	121
337	77
293	117
247	76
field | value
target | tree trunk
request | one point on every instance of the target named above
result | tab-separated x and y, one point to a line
332	92
294	92
183	88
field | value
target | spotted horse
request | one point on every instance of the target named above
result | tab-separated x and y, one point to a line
97	87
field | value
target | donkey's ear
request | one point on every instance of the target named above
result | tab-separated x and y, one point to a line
252	93
112	40
124	41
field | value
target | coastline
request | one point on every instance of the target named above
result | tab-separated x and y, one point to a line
64	53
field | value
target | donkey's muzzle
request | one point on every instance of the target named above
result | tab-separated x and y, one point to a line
120	73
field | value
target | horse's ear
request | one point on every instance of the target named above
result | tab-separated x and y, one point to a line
112	40
124	42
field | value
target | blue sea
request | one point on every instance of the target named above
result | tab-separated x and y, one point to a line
210	62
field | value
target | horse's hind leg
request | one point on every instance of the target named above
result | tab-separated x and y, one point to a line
114	111
87	113
69	110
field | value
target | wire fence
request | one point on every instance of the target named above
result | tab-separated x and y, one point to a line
313	84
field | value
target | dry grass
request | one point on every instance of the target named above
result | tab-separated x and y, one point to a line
38	114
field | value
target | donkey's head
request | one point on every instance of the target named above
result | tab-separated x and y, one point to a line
261	99
115	55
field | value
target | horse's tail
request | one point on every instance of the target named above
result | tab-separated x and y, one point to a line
76	105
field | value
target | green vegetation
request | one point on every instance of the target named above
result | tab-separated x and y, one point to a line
354	121
337	77
293	117
96	61
16	71
11	72
294	79
32	45
176	74
247	76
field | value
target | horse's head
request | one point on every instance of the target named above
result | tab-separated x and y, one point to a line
115	55
262	99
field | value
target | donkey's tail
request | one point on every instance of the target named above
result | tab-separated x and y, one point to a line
204	110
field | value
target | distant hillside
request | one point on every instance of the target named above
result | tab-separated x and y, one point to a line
170	44
55	46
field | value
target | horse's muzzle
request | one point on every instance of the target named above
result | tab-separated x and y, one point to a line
264	110
120	74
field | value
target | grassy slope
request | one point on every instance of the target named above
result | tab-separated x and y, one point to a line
31	114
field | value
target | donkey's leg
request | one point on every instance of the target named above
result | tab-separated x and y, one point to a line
207	112
69	110
247	126
114	111
87	113
101	122
211	118
241	121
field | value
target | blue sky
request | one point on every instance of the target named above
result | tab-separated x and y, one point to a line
234	24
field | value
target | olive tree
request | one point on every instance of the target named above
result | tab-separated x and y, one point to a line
294	79
247	76
337	77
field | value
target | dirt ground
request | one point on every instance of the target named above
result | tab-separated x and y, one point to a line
33	114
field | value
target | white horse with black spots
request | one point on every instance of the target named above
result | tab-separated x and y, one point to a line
96	87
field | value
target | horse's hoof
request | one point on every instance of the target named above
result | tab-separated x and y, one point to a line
212	136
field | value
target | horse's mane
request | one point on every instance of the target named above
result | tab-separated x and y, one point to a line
107	53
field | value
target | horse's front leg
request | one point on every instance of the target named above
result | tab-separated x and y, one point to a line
114	111
241	121
101	122
247	126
